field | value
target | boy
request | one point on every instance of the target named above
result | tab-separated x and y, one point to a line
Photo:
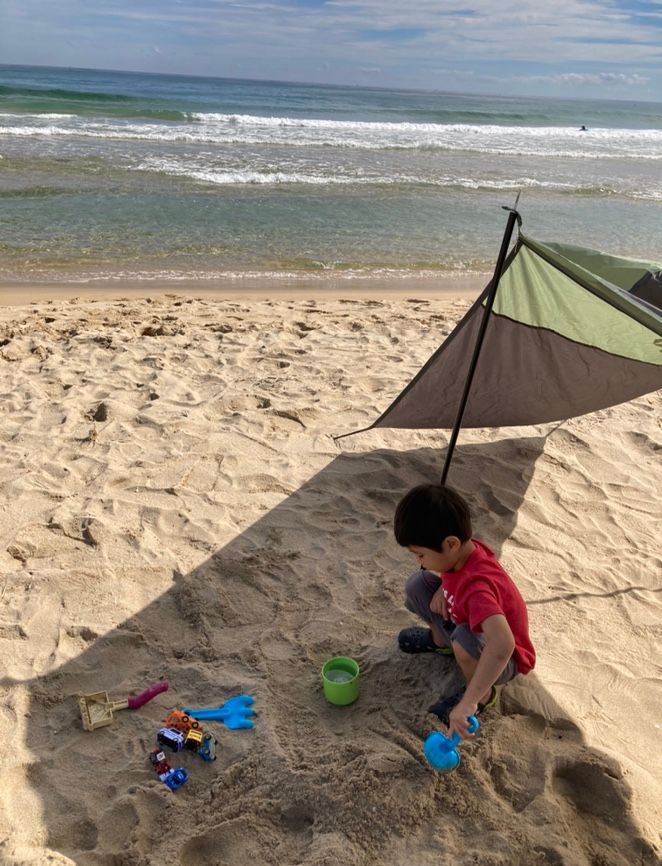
474	610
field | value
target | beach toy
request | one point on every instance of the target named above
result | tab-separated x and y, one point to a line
96	710
207	750
340	680
180	722
441	751
235	713
174	779
171	738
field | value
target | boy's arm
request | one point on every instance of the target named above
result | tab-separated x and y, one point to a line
438	603
499	646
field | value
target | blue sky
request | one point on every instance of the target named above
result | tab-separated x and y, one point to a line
582	48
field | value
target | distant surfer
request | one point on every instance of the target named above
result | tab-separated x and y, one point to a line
582	128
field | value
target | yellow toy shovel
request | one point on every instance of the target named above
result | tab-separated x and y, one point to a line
96	711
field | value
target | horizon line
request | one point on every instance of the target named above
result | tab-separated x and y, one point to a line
321	84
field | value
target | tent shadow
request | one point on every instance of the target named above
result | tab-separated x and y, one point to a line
317	575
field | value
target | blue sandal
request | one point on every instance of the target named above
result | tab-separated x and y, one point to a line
420	640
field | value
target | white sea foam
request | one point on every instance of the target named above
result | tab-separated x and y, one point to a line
226	194
243	176
324	275
35	118
268	177
246	129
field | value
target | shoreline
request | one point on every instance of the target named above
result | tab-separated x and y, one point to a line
257	287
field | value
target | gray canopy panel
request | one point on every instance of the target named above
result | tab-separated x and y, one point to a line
571	331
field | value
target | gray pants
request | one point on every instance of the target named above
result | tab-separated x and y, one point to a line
419	589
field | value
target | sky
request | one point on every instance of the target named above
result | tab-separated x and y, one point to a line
609	49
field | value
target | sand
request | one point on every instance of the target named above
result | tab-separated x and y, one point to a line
174	505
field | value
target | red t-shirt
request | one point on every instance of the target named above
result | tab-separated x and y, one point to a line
482	588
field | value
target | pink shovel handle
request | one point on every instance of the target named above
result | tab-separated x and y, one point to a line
138	701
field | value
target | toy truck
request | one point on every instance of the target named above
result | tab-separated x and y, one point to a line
159	762
173	779
176	778
207	750
171	738
179	721
193	740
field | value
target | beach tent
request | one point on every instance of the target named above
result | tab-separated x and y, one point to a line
569	331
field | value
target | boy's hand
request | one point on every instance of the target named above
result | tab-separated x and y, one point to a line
438	603
458	719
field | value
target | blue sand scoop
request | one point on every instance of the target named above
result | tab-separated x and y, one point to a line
441	751
235	713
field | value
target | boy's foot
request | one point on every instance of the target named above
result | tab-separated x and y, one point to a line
489	703
420	640
443	708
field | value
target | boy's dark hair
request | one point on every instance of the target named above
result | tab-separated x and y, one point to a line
430	513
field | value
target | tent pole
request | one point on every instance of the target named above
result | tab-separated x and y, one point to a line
513	217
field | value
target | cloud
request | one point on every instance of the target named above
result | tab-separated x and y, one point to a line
603	42
603	78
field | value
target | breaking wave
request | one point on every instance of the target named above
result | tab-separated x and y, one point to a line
238	129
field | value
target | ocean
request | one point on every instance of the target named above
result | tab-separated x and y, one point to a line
127	176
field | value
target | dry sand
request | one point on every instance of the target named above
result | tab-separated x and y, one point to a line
173	505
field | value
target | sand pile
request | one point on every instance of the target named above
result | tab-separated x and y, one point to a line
174	505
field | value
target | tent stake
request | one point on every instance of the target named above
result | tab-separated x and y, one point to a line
489	303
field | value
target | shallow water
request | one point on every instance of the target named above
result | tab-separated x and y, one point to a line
123	175
339	676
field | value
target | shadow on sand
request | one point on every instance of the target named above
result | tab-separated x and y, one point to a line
312	783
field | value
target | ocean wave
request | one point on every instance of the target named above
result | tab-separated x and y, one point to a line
236	129
230	178
488	138
253	176
43	102
36	118
62	93
478	269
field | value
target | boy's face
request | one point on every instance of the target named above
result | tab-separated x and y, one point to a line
438	561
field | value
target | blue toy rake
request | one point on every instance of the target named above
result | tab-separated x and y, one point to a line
236	714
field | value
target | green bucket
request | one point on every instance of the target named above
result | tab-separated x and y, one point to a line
340	681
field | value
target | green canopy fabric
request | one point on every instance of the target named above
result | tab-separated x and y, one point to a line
572	330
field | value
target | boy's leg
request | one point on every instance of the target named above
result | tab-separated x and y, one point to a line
467	647
468	664
419	589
